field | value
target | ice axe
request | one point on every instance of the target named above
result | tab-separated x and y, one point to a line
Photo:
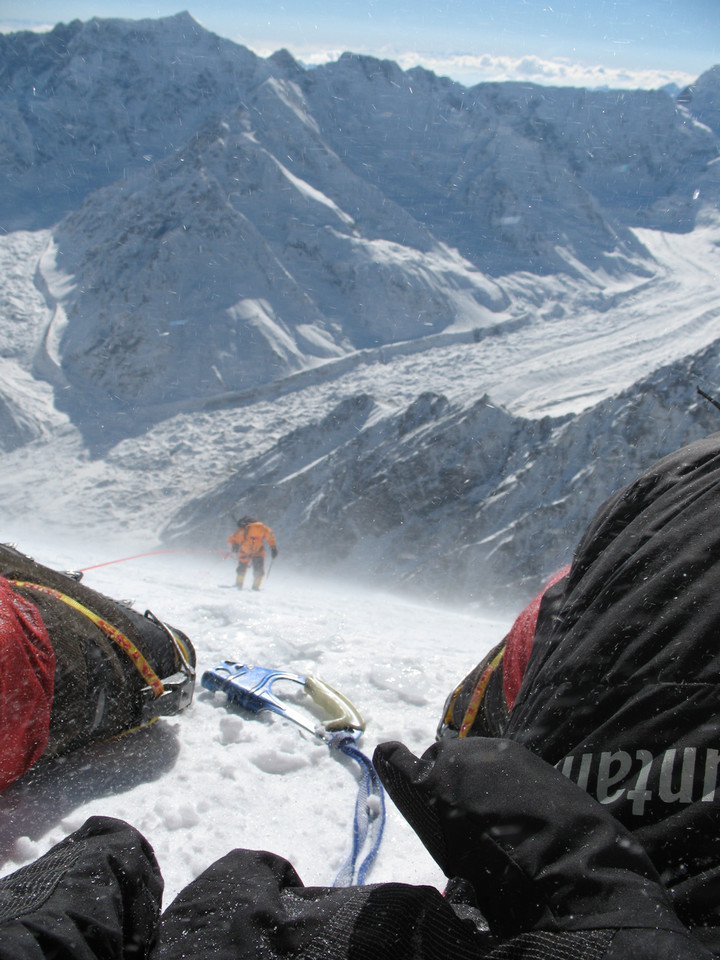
709	398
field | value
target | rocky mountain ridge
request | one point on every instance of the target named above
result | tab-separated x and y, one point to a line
425	329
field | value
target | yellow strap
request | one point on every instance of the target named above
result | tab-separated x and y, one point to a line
141	664
478	694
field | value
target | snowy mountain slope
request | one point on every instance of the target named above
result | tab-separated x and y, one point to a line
270	305
214	778
702	98
276	311
457	501
23	308
88	102
393	468
209	293
296	216
507	172
27	409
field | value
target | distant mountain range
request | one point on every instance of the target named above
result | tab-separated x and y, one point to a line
192	230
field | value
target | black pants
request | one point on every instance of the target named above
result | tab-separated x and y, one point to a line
258	566
95	896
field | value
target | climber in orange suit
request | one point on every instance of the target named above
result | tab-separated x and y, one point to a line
248	542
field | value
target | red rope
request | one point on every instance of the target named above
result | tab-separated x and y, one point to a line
150	553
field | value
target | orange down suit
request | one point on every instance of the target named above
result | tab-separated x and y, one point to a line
250	540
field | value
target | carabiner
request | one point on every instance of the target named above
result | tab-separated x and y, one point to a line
252	688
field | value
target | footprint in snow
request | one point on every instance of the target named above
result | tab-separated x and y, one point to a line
179	818
271	761
231	730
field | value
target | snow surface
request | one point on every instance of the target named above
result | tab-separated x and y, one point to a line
212	778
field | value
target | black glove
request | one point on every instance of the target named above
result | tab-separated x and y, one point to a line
274	552
539	852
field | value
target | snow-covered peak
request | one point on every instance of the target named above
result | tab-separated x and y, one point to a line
702	98
258	219
84	104
358	298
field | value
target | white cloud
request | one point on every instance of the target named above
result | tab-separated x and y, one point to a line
470	69
15	26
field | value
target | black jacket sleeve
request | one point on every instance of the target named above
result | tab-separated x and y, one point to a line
95	896
540	854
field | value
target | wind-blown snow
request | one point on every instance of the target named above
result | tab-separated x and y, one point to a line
418	463
215	778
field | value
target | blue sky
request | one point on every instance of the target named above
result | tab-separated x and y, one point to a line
636	43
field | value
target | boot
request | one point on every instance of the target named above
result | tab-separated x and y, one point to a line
116	669
256	583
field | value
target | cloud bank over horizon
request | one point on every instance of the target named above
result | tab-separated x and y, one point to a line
465	68
470	69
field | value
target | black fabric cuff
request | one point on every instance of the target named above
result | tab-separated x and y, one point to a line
95	895
539	852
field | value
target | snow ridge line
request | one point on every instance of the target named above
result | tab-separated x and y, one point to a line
331	369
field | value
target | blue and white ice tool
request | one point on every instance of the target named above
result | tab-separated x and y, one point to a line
252	689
